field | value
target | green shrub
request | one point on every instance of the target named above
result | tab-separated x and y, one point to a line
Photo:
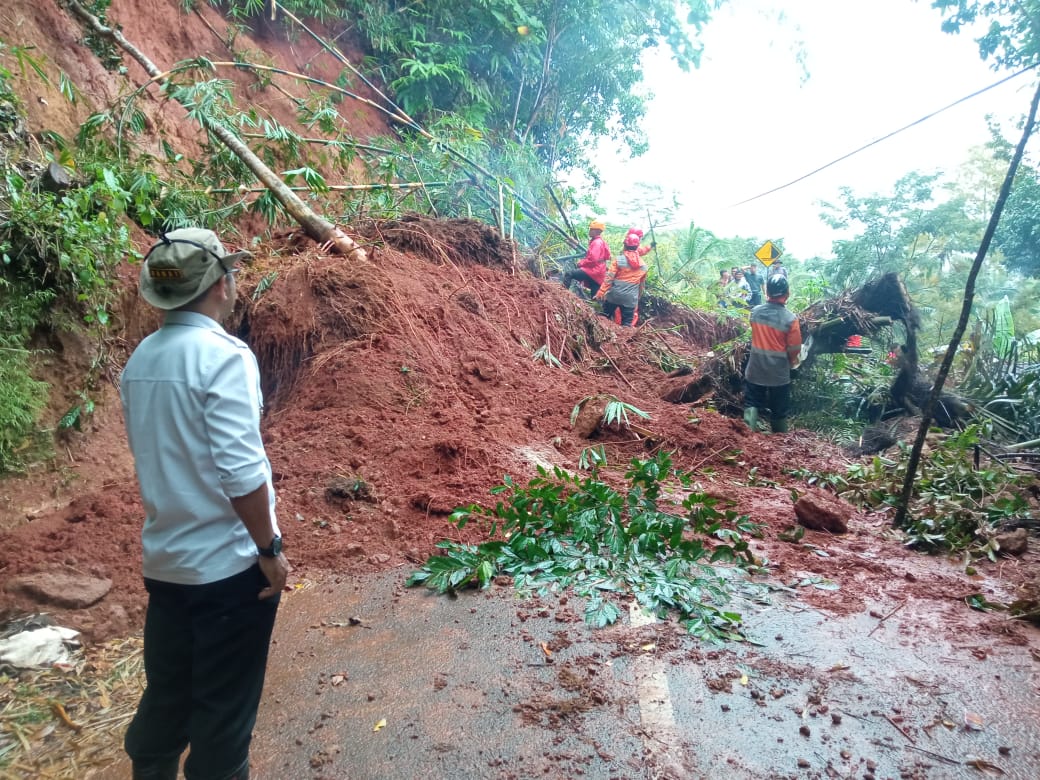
955	506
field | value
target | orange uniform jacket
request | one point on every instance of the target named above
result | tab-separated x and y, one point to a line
776	340
625	278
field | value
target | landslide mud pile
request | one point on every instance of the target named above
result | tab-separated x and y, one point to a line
402	388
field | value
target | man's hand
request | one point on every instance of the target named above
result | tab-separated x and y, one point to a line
276	570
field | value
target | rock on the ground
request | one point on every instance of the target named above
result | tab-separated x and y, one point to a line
819	511
590	416
1013	542
62	588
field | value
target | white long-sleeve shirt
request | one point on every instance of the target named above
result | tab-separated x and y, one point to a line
192	402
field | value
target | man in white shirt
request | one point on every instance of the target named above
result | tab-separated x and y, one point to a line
212	553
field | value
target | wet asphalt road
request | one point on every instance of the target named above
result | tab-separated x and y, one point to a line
370	680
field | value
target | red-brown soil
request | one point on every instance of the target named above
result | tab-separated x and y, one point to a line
403	387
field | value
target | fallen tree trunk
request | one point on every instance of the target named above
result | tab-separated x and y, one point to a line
317	227
866	311
879	308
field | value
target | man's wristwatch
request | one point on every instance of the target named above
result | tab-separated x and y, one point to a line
273	551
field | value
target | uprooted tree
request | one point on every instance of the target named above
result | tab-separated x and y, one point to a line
880	309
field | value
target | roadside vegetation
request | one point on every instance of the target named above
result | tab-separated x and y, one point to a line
476	101
490	106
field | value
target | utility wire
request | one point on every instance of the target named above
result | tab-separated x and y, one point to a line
885	137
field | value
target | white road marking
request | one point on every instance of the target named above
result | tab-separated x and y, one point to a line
660	734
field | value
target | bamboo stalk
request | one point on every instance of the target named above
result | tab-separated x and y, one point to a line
330	142
339	56
315	226
338	187
157	77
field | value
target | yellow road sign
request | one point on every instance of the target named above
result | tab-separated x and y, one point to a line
767	253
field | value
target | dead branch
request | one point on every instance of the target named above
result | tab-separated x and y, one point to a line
962	324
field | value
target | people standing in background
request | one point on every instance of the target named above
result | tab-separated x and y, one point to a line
740	290
623	284
755	281
722	288
777	268
592	268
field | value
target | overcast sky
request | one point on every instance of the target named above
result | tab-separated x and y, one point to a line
750	119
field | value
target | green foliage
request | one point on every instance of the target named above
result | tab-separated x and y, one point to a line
592	458
954	506
265	284
1018	234
615	412
67	243
565	532
547	74
105	49
931	242
77	413
907	233
21	400
59	250
1010	28
544	354
837	394
1003	387
246	9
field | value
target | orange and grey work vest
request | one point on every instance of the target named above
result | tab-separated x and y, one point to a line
625	277
776	340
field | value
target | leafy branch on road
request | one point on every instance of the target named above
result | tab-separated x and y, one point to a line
564	532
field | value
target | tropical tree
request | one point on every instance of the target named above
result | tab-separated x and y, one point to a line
551	73
1012	28
908	232
1018	236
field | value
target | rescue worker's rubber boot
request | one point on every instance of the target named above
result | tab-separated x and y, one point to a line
779	426
751	417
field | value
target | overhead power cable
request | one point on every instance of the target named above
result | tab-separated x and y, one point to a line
886	137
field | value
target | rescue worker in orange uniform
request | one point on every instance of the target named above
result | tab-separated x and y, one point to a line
776	341
593	267
624	281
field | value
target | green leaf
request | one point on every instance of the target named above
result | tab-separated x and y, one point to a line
71	418
600	612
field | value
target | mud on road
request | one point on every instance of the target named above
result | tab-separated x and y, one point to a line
371	680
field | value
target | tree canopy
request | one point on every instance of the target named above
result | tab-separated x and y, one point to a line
550	73
1012	28
1018	235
